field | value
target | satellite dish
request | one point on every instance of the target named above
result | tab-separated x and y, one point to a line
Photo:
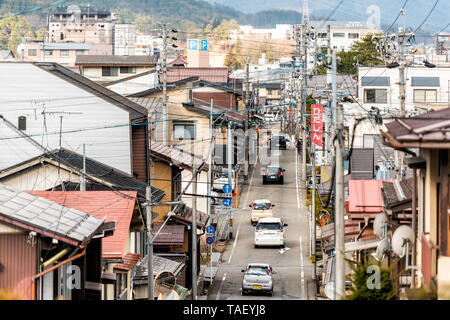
382	250
399	238
379	225
165	282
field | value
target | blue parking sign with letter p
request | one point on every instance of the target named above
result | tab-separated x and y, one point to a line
193	45
204	45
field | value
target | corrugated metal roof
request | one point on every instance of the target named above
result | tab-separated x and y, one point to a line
48	216
365	196
216	75
176	156
109	204
169	235
361	163
116	60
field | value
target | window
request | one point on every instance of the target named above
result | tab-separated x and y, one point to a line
79	52
183	131
339	35
109	71
48	53
353	35
424	95
127	70
32	52
375	95
64	53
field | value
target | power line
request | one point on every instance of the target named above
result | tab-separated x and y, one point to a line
426	18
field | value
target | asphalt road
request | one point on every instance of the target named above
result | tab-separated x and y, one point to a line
293	263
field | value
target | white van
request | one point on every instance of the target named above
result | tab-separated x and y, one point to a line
269	232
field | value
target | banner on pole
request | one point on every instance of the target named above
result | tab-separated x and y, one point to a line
317	124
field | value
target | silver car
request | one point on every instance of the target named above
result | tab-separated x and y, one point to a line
258	278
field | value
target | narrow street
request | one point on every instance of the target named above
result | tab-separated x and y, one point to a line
291	264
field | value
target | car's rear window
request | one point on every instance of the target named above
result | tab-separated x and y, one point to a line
268	226
272	170
261	206
254	270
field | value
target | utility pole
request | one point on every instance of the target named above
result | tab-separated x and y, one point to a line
194	234
339	199
210	164
329	132
230	175
303	97
247	106
313	213
149	208
83	177
402	91
164	70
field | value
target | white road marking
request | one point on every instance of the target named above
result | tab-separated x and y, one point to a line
221	284
302	272
235	242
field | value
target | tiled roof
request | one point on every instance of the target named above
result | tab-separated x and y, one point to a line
106	60
216	75
431	127
97	170
397	192
109	204
185	215
160	264
129	261
33	212
365	196
169	235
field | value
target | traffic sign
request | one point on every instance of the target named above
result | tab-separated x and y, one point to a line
210	229
192	44
227	202
204	45
209	240
227	188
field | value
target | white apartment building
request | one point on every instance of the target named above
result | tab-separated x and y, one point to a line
124	39
280	32
425	88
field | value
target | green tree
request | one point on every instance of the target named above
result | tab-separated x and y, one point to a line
234	60
361	290
362	52
12	31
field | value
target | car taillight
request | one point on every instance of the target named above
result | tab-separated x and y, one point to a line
281	173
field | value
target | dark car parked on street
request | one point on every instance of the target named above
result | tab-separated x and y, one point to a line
273	174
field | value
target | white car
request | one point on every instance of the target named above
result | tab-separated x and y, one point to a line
257	278
261	208
269	232
222	180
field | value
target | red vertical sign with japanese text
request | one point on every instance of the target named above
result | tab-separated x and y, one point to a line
317	124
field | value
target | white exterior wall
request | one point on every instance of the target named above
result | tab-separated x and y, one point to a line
28	90
393	103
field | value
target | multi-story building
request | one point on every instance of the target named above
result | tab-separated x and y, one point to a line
124	39
425	88
81	24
